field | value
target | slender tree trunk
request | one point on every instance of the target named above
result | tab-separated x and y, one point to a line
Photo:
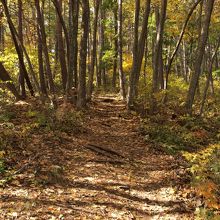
94	49
73	33
138	51
81	99
209	77
132	79
158	57
40	64
158	69
168	68
102	47
199	55
2	30
20	34
120	52
185	70
114	75
40	20
61	49
18	49
5	77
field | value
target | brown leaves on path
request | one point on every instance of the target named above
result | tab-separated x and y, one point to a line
119	176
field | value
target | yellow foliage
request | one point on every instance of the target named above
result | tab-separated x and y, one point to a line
127	64
2	153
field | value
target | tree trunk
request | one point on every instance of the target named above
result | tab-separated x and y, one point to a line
81	99
40	20
158	56
102	47
4	76
168	68
114	75
2	35
158	62
138	51
120	52
41	64
209	77
61	49
20	35
94	49
73	33
18	49
199	55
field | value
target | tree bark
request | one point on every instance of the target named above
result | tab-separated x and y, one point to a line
120	51
168	68
18	49
94	49
20	35
138	50
81	99
5	77
114	75
158	62
209	77
61	49
199	55
41	63
73	33
40	20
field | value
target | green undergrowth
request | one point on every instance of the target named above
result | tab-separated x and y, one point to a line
198	141
205	169
196	138
180	133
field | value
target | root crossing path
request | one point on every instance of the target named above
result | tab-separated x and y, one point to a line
107	171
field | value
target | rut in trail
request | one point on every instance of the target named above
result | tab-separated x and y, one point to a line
109	172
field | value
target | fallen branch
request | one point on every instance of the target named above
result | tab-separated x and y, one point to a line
104	151
25	166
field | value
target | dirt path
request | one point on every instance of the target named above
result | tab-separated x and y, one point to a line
106	172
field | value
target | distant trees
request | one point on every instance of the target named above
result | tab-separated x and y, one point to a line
63	46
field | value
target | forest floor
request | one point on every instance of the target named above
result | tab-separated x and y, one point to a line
105	171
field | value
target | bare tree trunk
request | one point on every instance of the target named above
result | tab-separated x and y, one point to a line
18	49
40	20
20	34
158	47
209	77
168	68
114	75
40	64
102	45
94	49
120	52
61	49
132	79
199	55
2	30
138	52
81	99
4	76
158	62
73	26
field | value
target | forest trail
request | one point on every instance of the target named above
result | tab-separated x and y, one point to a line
107	171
